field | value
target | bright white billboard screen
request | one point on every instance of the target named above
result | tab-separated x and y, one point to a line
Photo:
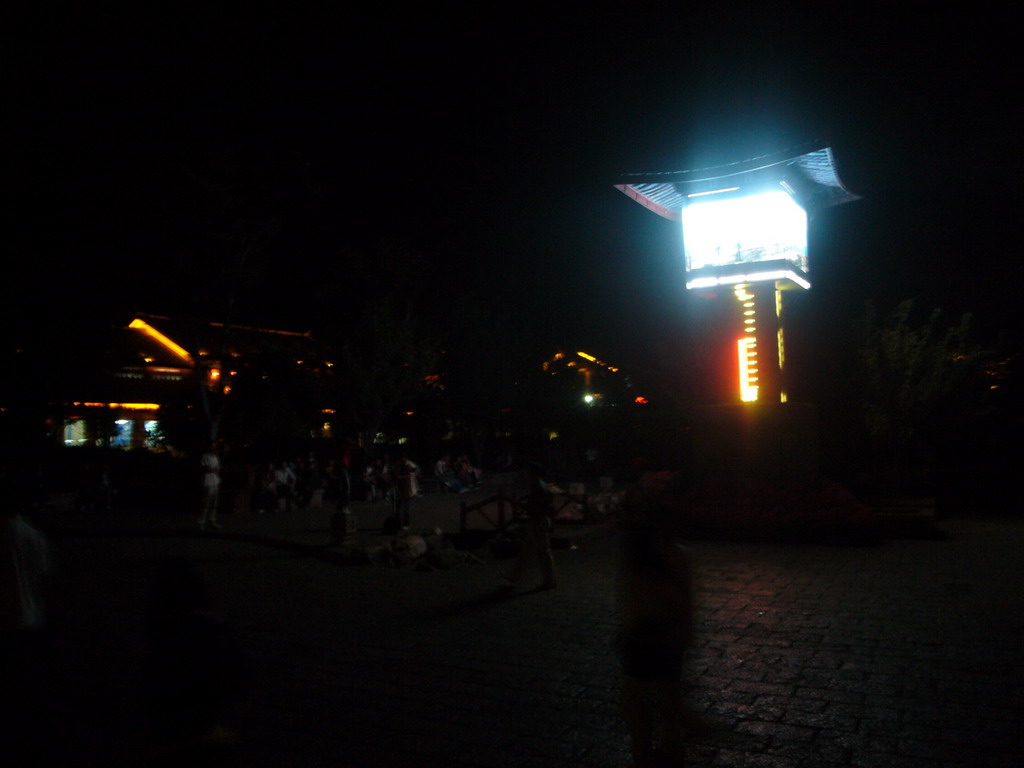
768	226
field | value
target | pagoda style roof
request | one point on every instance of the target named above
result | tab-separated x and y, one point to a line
212	339
809	174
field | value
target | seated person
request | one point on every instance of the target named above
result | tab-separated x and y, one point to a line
446	475
468	475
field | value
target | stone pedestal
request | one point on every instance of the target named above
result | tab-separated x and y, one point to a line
757	441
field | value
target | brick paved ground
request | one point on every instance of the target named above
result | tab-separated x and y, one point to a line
903	655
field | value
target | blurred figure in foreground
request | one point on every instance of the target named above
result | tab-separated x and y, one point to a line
656	608
194	671
26	696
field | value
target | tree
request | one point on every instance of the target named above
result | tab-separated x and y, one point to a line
386	362
224	217
372	308
912	378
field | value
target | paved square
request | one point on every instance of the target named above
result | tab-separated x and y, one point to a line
905	654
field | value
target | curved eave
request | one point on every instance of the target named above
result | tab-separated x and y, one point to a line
812	174
820	169
660	198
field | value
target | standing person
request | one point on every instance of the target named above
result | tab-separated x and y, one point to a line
412	469
268	488
402	478
284	485
656	609
537	541
345	484
31	730
211	487
370	475
336	487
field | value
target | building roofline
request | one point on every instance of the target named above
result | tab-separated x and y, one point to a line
809	169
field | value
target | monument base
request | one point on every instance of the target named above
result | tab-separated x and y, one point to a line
775	442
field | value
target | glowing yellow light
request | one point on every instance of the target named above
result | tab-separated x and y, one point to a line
125	406
154	334
748	381
585	356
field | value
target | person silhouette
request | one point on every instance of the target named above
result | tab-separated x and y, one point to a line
656	611
536	545
194	669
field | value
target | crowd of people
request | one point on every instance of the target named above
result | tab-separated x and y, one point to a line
288	484
302	481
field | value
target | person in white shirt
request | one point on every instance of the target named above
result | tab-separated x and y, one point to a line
211	487
31	729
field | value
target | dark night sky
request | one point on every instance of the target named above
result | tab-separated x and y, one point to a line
490	145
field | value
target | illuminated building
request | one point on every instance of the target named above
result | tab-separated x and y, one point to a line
745	227
106	385
116	382
593	381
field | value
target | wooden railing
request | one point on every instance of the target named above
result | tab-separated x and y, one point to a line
508	503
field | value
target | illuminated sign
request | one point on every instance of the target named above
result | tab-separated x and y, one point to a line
745	225
747	349
744	239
